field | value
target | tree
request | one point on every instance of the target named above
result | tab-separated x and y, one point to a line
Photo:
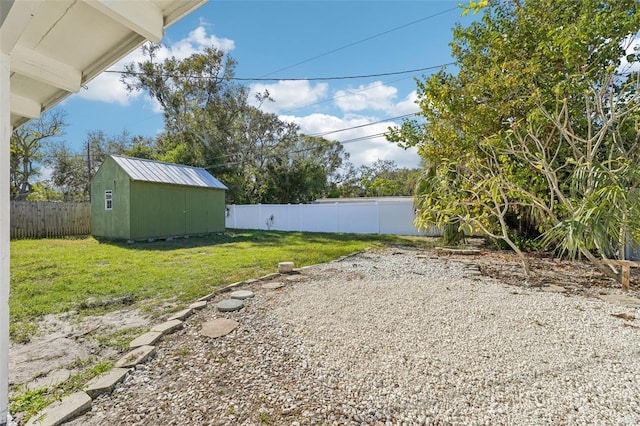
69	174
44	191
301	170
537	132
27	149
210	123
72	170
383	178
199	100
142	147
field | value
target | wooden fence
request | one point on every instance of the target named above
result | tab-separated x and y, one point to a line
42	219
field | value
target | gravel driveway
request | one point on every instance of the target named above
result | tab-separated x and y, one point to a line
396	337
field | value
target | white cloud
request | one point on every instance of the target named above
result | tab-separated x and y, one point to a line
375	96
632	46
366	151
45	173
381	149
288	94
196	41
107	87
406	106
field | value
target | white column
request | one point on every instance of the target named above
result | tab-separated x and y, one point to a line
5	135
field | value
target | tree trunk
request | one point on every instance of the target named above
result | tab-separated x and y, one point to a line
452	236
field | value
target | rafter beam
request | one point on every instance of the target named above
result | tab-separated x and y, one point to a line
25	107
140	16
15	15
45	69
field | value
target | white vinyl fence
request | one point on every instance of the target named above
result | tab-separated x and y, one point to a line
377	217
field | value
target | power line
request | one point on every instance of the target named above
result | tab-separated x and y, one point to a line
363	125
363	138
358	139
315	147
363	40
348	77
299	150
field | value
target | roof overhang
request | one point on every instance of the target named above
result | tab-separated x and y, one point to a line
57	46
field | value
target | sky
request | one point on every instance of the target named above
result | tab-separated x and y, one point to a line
305	40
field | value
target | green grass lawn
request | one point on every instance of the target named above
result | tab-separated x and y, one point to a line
59	275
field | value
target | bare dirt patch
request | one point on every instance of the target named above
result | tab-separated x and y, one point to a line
67	339
575	276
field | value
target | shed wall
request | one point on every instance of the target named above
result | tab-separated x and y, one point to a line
113	223
162	210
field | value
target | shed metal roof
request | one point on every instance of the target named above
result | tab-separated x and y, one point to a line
176	174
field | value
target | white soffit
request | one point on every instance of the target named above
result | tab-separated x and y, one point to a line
56	46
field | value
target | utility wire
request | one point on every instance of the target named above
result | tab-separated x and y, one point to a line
358	139
315	147
348	77
363	138
363	125
296	151
363	40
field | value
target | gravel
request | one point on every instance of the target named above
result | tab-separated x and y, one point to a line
394	337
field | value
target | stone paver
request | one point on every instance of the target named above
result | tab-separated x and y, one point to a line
62	411
230	305
146	339
230	286
297	278
461	251
207	297
552	288
136	356
168	327
269	276
105	382
273	285
285	267
621	299
181	315
241	294
198	305
218	327
52	379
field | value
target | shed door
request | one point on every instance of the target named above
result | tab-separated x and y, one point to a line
197	211
160	212
175	212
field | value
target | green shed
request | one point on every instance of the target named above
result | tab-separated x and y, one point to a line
136	199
